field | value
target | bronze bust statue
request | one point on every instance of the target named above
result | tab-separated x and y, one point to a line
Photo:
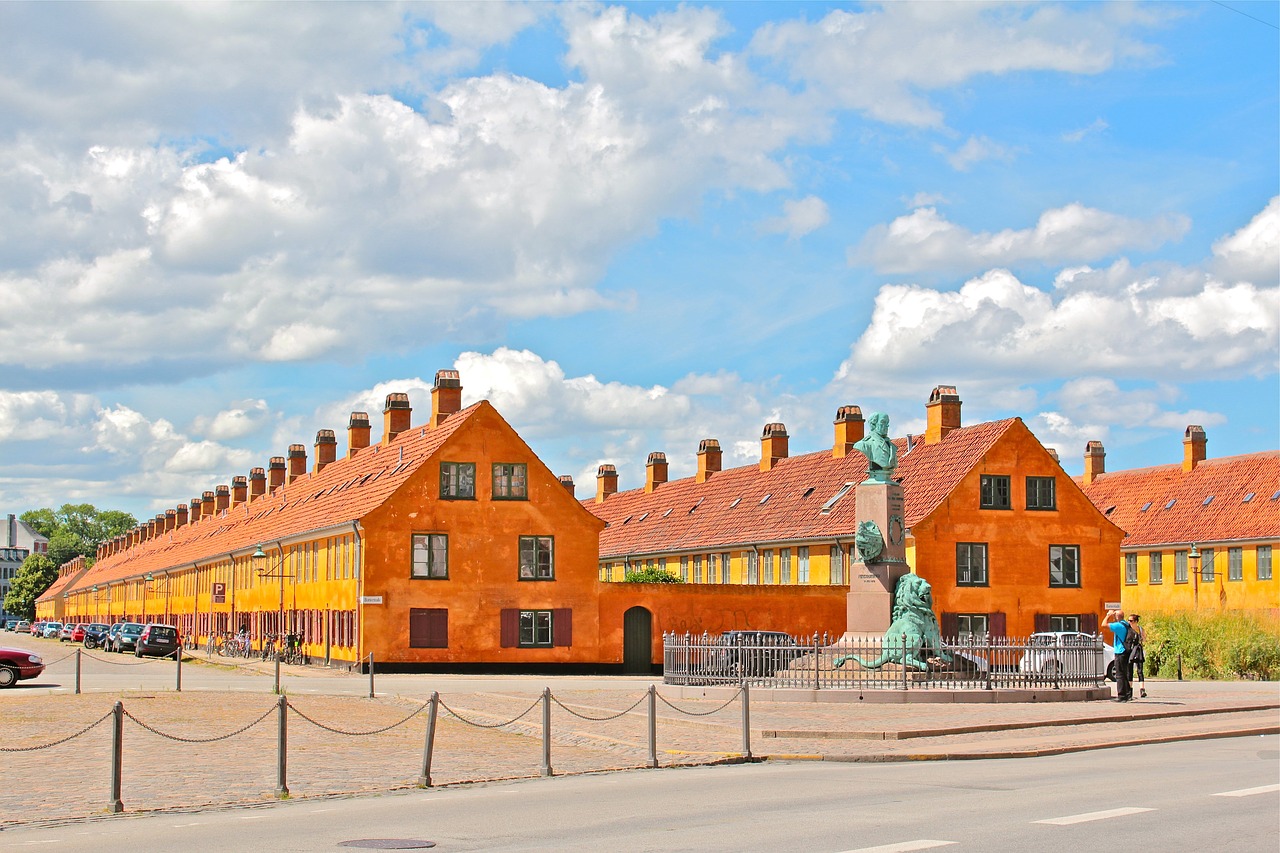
881	453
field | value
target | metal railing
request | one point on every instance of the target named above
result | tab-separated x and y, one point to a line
820	662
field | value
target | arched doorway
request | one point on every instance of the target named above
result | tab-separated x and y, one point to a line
637	641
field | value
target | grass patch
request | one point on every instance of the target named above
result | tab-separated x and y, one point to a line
1213	646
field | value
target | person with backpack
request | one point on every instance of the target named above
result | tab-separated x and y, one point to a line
1137	655
1120	638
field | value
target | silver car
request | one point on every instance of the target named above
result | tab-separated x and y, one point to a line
51	630
1068	653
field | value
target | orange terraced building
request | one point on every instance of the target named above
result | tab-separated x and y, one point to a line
445	543
1200	534
1009	543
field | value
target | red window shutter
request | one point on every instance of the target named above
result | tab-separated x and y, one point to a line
438	629
1042	622
949	624
510	629
562	627
1089	623
996	625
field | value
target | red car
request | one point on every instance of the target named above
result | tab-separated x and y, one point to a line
18	665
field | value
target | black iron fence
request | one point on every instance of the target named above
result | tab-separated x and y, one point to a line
904	662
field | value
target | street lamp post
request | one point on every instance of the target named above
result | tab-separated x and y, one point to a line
259	558
1193	559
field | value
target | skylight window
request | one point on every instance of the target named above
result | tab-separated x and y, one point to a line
1170	504
625	520
1276	495
844	490
698	504
1109	510
665	514
734	502
765	499
807	492
1146	506
642	517
1207	501
1248	497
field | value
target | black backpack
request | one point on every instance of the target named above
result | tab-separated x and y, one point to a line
1132	640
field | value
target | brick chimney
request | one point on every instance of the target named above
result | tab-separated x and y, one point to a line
773	445
170	520
850	429
655	471
446	396
566	480
357	432
257	483
180	516
606	482
208	500
1193	447
222	498
1095	461
326	448
239	490
144	531
709	459
196	509
395	416
275	474
159	524
942	413
297	456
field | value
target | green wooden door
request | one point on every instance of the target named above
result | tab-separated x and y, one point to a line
637	641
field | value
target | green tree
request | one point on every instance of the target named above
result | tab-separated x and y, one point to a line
650	575
77	529
34	576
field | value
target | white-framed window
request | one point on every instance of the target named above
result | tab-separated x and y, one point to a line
697	568
1131	569
725	566
1065	623
753	567
837	564
1179	566
1235	564
802	564
1264	562
767	556
971	626
784	565
1155	567
711	568
684	568
1207	573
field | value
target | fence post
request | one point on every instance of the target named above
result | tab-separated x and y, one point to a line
178	655
816	660
904	661
77	671
653	726
428	746
546	731
282	748
115	806
277	689
370	675
991	663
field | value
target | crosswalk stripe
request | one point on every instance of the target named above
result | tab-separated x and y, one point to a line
1248	792
903	846
1088	816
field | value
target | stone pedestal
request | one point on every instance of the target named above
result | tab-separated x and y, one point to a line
870	602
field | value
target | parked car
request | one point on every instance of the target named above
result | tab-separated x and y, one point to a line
109	641
95	633
18	665
127	639
1069	653
158	640
51	630
23	627
65	633
37	629
752	653
10	624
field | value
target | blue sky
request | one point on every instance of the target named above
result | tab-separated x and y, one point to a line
629	226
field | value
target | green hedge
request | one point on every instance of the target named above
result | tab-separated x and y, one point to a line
1221	646
653	575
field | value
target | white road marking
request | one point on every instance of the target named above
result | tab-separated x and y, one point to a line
182	825
903	846
252	817
1248	792
1088	816
318	811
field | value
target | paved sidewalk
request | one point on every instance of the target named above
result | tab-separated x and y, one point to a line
189	756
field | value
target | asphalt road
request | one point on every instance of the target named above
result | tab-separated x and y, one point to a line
1221	795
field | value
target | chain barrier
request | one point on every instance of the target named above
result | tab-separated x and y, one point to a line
536	703
116	662
215	739
599	719
728	702
97	722
50	663
318	724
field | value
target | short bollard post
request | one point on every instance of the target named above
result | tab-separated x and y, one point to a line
653	726
77	670
746	722
546	731
1179	666
370	675
424	778
282	748
115	806
277	673
178	656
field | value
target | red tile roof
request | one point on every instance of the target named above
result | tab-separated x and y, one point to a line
731	508
345	491
1164	505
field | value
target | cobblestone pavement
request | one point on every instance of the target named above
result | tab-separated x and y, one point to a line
165	769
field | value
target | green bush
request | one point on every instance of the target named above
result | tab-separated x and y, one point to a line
651	575
1212	646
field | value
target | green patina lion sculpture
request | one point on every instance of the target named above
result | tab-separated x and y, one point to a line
912	617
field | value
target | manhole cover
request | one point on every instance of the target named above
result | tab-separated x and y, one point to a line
388	844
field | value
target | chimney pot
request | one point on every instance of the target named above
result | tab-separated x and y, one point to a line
222	498
446	396
396	415
1194	447
773	445
1095	459
326	448
357	432
257	483
239	490
170	520
606	482
942	413
275	473
655	471
566	480
850	429
180	516
297	456
709	459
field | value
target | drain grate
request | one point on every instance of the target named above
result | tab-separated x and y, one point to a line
388	844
